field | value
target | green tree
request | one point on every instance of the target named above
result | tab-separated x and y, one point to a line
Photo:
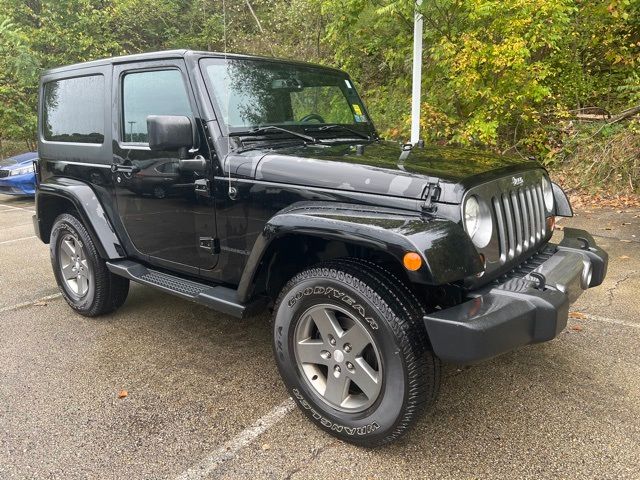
18	80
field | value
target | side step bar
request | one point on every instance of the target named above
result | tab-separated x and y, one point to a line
219	298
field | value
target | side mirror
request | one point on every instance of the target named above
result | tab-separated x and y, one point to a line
170	133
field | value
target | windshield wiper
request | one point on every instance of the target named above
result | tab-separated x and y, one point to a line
273	129
324	128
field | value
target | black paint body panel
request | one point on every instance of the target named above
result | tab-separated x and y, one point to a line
515	312
372	197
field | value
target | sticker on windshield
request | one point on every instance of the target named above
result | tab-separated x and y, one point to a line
359	117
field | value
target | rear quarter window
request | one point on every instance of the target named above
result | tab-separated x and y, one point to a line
73	110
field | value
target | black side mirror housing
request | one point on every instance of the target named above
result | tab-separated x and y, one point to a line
170	133
196	165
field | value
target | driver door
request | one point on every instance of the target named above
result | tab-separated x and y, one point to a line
166	211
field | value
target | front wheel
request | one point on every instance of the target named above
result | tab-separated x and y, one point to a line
82	275
351	348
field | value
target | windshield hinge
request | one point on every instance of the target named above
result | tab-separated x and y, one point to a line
432	194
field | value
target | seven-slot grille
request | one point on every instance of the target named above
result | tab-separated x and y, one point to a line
520	218
4	173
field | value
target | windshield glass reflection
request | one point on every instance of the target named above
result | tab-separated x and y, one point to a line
252	93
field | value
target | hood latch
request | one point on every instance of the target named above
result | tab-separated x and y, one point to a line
432	193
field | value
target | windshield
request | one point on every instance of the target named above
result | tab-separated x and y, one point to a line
253	93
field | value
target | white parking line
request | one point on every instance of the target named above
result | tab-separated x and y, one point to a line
229	450
11	207
31	302
615	321
17	239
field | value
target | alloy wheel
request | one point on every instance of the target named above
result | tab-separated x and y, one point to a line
338	358
75	269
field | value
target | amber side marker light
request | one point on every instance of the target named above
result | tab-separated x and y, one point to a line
412	261
551	223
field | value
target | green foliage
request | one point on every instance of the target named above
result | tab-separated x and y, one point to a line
18	80
504	75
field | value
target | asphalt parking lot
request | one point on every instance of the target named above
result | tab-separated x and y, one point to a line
205	400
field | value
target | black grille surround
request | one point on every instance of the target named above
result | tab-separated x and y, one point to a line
4	173
519	221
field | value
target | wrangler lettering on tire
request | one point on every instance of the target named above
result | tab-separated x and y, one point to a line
82	276
351	349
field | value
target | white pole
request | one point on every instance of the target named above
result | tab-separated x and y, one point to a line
417	75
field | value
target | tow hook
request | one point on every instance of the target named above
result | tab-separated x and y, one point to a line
542	280
585	243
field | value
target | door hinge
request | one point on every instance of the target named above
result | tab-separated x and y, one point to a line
211	244
202	188
432	193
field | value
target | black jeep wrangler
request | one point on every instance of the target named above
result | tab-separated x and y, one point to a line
247	183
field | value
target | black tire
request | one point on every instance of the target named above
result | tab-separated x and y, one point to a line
392	316
106	292
159	192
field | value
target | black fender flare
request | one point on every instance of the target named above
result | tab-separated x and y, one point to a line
447	251
89	208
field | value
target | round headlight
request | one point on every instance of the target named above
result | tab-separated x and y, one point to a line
477	221
547	193
472	216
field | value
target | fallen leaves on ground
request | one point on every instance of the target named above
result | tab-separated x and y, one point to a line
123	394
581	199
578	315
266	446
40	304
576	328
624	257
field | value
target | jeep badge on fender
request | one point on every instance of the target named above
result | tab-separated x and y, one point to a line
246	184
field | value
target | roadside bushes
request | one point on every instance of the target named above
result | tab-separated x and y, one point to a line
503	75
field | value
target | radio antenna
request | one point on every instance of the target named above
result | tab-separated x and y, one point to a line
228	94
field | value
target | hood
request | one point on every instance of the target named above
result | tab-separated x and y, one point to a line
382	168
19	161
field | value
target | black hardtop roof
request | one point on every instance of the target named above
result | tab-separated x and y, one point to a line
167	54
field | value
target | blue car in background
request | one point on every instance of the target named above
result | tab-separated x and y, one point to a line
18	177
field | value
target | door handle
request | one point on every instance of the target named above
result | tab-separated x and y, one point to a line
118	167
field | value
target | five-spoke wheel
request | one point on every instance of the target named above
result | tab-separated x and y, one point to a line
82	275
351	347
339	358
76	270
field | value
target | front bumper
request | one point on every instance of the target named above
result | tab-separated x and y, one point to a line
18	184
529	307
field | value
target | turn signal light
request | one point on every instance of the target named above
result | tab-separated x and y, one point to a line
483	259
551	223
412	261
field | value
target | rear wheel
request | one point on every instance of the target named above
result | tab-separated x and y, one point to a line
350	346
82	275
159	192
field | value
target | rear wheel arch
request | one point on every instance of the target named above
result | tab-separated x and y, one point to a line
49	207
78	200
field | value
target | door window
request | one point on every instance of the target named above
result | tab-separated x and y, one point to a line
157	92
